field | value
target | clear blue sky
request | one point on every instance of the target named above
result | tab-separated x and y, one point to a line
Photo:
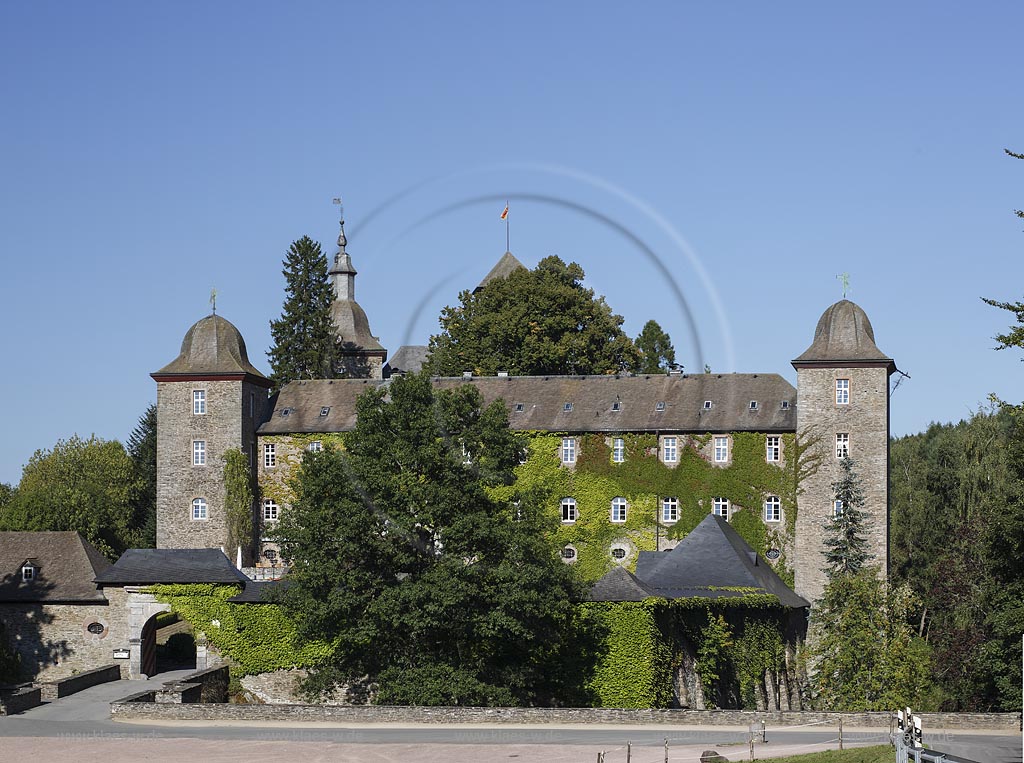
151	151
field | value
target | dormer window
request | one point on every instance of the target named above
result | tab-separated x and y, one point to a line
753	405
519	408
707	405
567	407
286	411
616	406
28	572
785	405
659	406
325	410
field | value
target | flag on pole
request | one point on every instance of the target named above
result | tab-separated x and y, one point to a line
504	214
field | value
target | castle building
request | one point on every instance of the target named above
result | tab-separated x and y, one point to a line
749	448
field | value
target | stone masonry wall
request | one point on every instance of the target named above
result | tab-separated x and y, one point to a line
866	419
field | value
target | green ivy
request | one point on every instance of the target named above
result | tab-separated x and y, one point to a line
255	638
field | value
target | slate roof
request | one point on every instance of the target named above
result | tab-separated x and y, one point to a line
543	400
843	333
507	265
212	346
710	560
148	566
66	565
621	585
408	359
259	592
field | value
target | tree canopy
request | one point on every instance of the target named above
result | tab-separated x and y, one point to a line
426	583
141	447
846	548
81	485
305	341
655	347
534	322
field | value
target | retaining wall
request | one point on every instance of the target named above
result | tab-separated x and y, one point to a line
19	699
63	687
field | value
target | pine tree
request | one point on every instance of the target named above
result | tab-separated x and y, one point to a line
846	548
656	351
305	341
141	447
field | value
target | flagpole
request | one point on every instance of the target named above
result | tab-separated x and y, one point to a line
507	247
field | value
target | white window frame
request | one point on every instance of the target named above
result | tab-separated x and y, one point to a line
842	391
837	508
28	573
200	510
772	509
669	509
199	402
721	450
773	448
670	450
269	455
569	511
720	508
842	445
619	512
315	446
618	450
199	453
271	511
568	450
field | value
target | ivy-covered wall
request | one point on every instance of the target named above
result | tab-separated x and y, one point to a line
256	638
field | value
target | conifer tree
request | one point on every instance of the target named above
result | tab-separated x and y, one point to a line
656	351
305	341
141	447
846	548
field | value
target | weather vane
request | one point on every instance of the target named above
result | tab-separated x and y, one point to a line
844	278
213	300
341	207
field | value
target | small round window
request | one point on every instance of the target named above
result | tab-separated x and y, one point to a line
95	628
568	552
619	553
773	553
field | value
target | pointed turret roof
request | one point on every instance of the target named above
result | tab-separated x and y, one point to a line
349	318
507	265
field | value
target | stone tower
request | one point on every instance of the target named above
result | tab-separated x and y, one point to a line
363	355
209	399
843	403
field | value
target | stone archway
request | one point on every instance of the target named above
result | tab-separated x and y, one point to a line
142	608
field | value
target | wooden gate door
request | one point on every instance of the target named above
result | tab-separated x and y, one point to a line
149	647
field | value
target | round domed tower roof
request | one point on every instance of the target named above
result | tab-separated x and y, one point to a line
844	333
213	346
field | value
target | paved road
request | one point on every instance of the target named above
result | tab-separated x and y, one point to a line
79	727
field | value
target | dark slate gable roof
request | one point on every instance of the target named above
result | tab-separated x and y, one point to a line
621	585
149	566
408	359
710	560
66	565
543	399
260	592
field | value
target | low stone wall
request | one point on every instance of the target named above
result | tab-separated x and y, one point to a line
17	699
213	682
177	692
64	687
535	715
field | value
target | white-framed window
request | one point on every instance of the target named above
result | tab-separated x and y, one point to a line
620	507
315	446
721	450
720	507
199	508
199	453
198	402
618	450
269	455
670	450
842	445
28	573
569	513
842	391
271	511
837	508
773	449
568	450
669	510
569	554
772	509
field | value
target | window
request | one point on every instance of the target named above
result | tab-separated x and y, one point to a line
520	407
669	450
773	449
785	405
842	391
721	450
670	510
772	509
271	512
569	554
707	405
720	508
619	508
199	453
199	508
753	405
252	405
659	406
569	510
198	402
618	450
837	509
842	445
568	450
270	455
315	447
567	407
618	553
28	573
616	406
270	555
325	410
